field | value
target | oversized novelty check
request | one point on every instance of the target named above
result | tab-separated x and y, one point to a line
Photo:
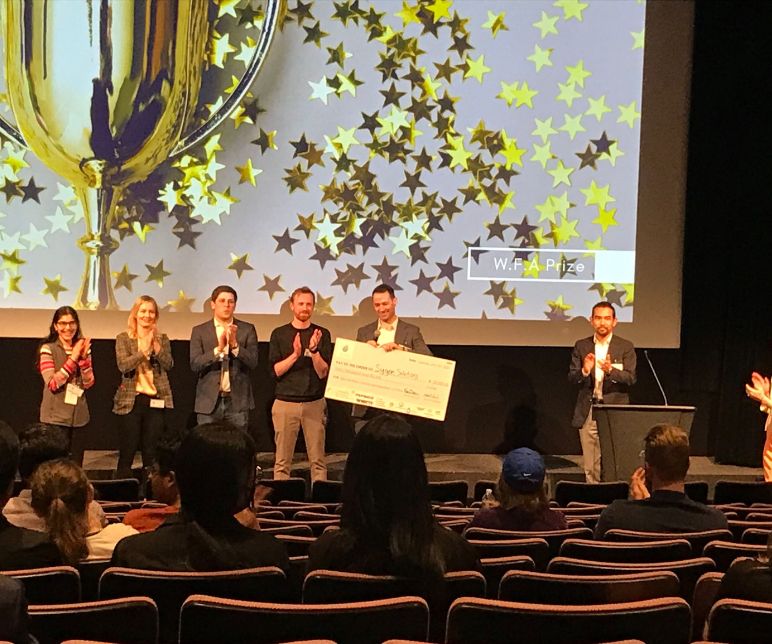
399	381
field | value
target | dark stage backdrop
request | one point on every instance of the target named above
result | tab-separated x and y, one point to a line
727	308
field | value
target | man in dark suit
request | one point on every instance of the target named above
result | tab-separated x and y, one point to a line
389	332
222	352
603	365
19	547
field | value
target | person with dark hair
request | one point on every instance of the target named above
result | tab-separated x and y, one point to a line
522	499
38	444
222	353
300	352
749	579
603	366
144	357
386	526
61	493
215	473
388	332
659	502
163	486
64	362
19	547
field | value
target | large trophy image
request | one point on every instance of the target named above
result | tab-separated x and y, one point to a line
103	92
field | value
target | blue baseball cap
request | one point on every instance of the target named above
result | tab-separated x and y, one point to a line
523	470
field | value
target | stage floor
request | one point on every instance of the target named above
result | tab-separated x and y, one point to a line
450	467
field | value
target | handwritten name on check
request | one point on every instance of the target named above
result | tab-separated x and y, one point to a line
399	381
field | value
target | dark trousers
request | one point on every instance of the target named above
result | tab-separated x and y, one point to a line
140	429
76	440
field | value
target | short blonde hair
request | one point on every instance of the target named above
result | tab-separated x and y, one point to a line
132	322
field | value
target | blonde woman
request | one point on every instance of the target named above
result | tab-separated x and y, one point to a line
144	357
61	494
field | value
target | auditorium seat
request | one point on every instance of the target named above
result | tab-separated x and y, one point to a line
49	585
326	491
625	551
291	489
205	619
485	621
481	486
296	545
291	508
317	527
758	536
494	569
739	527
601	493
116	489
444	491
296	529
740	621
550	588
705	591
457	525
696	539
697	491
536	549
723	553
129	620
742	492
554	538
90	571
688	570
262	513
170	589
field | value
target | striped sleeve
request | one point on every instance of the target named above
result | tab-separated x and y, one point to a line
86	372
54	379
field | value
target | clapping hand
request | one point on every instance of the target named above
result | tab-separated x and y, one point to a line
313	343
638	489
759	389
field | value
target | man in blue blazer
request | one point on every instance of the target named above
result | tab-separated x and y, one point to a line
603	365
223	351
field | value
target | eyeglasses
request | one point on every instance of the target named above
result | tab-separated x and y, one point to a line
73	323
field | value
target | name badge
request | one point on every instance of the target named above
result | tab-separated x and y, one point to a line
72	393
157	403
617	365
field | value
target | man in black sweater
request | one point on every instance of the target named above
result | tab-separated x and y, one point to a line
300	353
666	508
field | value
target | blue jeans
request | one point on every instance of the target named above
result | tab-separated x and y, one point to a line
223	410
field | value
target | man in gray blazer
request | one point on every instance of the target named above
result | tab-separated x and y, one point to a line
389	332
603	365
222	352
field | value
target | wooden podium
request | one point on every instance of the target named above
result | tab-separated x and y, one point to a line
622	428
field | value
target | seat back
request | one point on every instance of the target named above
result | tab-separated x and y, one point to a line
742	492
116	489
291	489
444	491
494	568
697	491
705	591
740	621
170	589
317	527
536	549
697	539
549	588
297	545
554	538
326	491
130	620
633	552
90	571
481	486
738	527
50	585
601	493
663	620
688	570
757	536
723	553
206	619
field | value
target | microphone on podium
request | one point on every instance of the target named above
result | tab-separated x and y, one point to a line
654	371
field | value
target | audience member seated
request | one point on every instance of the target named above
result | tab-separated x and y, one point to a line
666	508
522	500
61	495
163	485
215	474
749	579
386	525
19	547
37	444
